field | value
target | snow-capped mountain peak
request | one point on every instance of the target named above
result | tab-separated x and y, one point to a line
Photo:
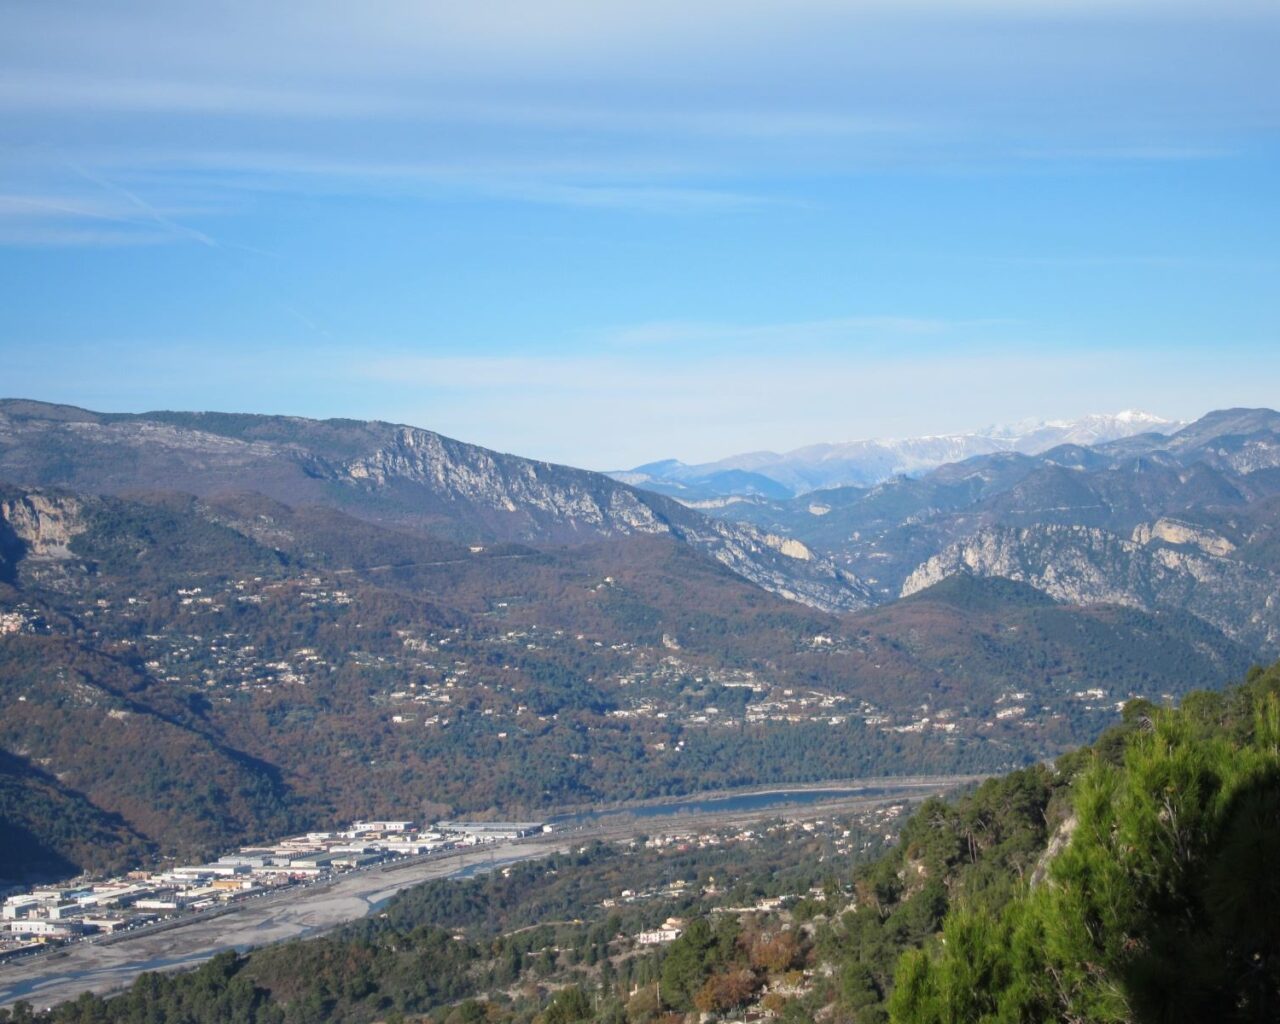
1033	436
869	462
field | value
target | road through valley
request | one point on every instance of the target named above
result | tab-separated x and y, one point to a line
107	965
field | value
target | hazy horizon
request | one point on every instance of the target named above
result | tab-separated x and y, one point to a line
993	429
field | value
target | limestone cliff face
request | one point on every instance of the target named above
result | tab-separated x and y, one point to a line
1057	843
1170	531
1167	566
45	524
1071	563
780	565
789	546
463	472
540	500
1250	455
389	473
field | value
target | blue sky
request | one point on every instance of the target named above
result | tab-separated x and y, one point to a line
609	233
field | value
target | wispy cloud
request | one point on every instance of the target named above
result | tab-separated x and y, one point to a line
818	71
144	209
202	185
1124	153
54	205
660	108
646	198
48	93
29	91
605	232
42	236
107	216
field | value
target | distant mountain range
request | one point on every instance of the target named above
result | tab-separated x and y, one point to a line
866	463
1188	521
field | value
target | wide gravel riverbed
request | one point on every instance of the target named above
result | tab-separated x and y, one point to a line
52	978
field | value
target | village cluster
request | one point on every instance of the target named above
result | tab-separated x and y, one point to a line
423	679
848	836
37	918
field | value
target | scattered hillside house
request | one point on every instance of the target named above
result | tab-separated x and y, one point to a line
670	930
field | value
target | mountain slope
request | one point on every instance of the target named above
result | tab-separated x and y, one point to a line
1154	900
971	646
1169	565
1132	880
72	712
258	666
52	832
347	618
388	474
1178	522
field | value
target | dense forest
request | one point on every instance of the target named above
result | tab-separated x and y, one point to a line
1132	880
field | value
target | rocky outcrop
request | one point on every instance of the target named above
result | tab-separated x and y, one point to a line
788	546
774	563
44	524
535	490
1087	565
1075	564
1057	843
1251	455
542	501
1170	531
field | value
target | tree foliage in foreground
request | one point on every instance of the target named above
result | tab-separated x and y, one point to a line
1163	906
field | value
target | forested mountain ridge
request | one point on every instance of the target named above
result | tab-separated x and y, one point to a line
1156	898
390	474
1132	880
